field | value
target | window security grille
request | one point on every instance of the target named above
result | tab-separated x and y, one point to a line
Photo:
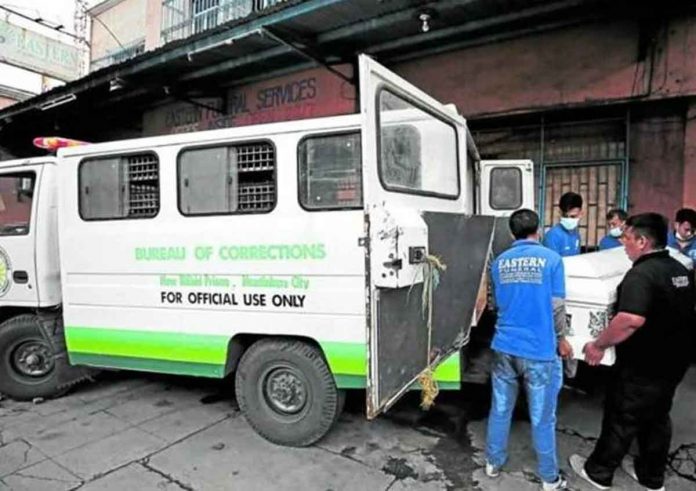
255	165
143	181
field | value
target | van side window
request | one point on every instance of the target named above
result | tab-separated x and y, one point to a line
227	179
16	196
506	188
119	187
330	172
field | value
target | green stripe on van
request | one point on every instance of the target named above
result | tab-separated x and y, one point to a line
205	355
348	363
167	346
148	365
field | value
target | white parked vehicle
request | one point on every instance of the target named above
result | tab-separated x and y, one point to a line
290	254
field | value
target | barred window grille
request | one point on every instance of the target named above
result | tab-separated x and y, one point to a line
119	187
227	179
143	185
330	172
256	165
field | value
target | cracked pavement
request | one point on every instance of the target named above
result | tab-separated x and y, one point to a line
148	432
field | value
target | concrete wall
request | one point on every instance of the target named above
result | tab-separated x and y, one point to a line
656	180
307	94
583	66
571	66
689	178
153	27
126	20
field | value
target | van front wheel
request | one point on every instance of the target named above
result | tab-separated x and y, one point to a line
287	392
27	361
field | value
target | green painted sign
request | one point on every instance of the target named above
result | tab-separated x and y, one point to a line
27	49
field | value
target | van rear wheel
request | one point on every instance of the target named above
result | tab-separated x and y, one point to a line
27	361
286	392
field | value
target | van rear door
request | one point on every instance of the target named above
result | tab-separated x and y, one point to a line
506	186
414	174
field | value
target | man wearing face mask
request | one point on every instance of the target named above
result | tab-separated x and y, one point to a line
682	238
564	237
616	218
653	334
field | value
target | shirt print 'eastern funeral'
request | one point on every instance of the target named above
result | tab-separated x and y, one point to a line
525	279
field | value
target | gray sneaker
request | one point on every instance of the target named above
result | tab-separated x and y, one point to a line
629	467
491	470
577	463
560	483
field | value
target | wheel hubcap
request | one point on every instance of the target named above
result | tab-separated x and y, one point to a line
33	359
285	391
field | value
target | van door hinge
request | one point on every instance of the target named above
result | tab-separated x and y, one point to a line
362	241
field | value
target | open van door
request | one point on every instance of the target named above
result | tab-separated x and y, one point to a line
506	186
414	170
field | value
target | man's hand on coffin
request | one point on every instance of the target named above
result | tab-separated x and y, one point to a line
593	354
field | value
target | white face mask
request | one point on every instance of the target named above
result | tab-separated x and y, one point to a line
569	223
616	232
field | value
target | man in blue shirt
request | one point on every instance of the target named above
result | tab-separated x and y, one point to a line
564	237
529	291
616	218
683	237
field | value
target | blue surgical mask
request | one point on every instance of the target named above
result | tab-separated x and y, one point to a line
616	232
569	223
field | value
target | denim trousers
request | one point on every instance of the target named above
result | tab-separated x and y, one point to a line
542	382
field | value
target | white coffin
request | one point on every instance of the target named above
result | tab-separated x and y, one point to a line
591	282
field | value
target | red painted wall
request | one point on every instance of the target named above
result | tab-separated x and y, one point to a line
656	170
588	65
580	65
689	188
311	93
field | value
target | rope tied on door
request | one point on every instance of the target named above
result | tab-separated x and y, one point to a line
433	267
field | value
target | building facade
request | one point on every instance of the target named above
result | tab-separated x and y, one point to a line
34	58
603	101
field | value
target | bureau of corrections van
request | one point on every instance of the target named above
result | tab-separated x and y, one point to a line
291	256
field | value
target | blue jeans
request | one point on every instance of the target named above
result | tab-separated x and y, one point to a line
542	382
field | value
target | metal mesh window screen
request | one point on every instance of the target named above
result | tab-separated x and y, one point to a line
585	141
143	185
587	156
227	179
330	172
119	187
256	168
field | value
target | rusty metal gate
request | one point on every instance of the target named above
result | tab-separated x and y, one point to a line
598	184
587	156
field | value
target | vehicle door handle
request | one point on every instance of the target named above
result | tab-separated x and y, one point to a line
20	276
394	264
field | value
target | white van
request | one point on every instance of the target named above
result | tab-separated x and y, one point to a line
290	254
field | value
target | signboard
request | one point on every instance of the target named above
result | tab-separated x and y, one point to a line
309	94
27	49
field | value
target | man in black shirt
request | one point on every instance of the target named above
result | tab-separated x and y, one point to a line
652	332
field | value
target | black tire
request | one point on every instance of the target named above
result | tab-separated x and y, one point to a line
28	366
286	392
